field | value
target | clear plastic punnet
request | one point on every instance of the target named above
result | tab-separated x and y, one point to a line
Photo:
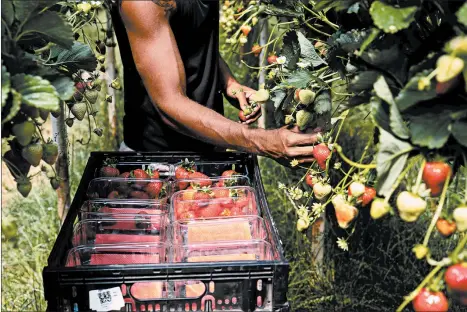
219	202
117	229
125	167
255	250
218	181
117	254
214	168
123	206
218	230
129	188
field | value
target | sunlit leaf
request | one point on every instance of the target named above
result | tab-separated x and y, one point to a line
391	19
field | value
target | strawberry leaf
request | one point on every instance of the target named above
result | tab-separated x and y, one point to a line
459	131
396	122
390	161
80	56
64	86
411	95
462	14
391	19
430	129
15	106
36	91
308	52
291	50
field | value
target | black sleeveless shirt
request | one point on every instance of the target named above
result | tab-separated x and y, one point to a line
195	24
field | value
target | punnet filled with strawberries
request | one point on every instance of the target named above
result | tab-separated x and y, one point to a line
138	218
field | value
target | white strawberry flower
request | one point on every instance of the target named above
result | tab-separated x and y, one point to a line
342	244
281	186
281	60
303	64
243	39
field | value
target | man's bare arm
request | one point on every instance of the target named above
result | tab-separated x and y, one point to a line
159	64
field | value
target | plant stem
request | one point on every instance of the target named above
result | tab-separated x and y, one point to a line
398	181
419	177
350	162
325	20
317	30
458	249
438	211
414	293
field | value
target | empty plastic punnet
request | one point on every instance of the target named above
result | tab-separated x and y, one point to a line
219	202
121	229
217	230
117	254
254	250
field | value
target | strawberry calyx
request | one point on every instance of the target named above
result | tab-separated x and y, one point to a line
110	162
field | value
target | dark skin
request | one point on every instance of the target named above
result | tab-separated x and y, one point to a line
147	27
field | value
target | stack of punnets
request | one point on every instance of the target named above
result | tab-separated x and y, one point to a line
155	232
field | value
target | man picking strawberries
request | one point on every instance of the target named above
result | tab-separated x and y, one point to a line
174	79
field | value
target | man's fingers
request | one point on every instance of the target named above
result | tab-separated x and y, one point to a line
253	118
241	97
305	160
300	151
297	139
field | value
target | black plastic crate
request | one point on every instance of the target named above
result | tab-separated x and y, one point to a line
230	286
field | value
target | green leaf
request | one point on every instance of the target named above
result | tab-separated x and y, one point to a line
390	161
15	106
36	91
374	33
354	8
8	12
322	103
396	122
291	49
49	26
338	5
390	18
277	97
459	131
411	95
24	9
6	84
64	86
308	52
80	56
462	14
299	79
430	129
363	81
379	113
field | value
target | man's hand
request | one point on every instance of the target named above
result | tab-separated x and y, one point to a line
242	94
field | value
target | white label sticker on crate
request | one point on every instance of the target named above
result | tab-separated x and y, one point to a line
106	299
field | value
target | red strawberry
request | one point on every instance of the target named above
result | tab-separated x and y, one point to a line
241	116
140	174
182	172
446	227
256	49
109	171
188	194
226	212
456	282
242	202
235	211
210	211
139	195
272	59
221	193
155	174
427	301
368	196
245	29
187	215
201	195
202	180
229	173
125	175
321	153
434	176
180	207
113	195
153	189
226	203
309	180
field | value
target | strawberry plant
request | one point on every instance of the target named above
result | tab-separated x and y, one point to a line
49	66
401	66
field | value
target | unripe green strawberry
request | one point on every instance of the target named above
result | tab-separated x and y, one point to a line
116	84
32	153
79	110
97	84
55	183
306	97
448	67
101	59
260	96
289	119
304	119
24	186
247	110
92	95
460	216
24	132
302	224
69	122
50	152
356	189
379	208
321	190
410	206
